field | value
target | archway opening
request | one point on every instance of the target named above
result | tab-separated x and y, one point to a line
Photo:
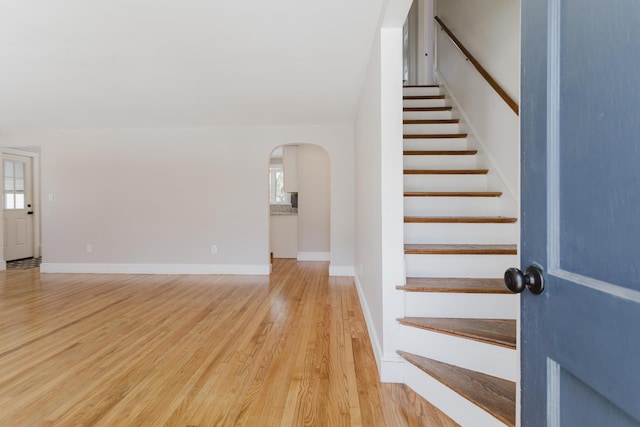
299	199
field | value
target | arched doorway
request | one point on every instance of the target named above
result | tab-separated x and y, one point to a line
299	198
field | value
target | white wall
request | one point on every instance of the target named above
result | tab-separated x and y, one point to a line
379	255
368	181
490	29
156	200
313	200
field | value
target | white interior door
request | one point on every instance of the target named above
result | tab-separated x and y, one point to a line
18	206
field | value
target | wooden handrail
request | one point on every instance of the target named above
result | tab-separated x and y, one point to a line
494	84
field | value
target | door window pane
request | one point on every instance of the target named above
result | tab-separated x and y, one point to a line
8	201
19	200
18	169
8	168
14	185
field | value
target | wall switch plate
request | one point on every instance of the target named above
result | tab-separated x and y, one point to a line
214	249
89	248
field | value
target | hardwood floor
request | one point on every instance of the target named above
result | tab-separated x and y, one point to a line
290	349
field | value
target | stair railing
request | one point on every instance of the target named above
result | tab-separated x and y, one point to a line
494	84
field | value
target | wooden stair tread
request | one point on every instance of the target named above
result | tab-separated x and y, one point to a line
453	194
430	249
495	395
411	97
427	108
455	285
440	152
446	171
460	219
435	136
431	122
500	332
421	86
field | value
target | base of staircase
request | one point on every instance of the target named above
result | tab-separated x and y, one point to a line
493	397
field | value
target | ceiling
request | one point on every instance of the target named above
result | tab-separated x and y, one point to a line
169	63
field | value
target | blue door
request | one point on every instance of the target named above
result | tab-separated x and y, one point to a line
581	212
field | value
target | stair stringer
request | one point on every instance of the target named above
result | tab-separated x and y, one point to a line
497	180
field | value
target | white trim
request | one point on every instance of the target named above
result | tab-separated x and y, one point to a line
341	270
256	269
314	256
392	370
373	336
3	265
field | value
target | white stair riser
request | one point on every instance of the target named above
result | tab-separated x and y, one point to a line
440	162
466	353
464	306
459	409
445	182
459	265
451	206
461	233
433	128
421	103
435	143
426	115
421	91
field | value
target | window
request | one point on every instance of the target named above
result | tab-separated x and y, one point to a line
13	184
277	195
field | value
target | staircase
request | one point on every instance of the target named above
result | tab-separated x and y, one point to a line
459	330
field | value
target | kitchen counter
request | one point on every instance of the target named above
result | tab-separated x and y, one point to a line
284	235
278	210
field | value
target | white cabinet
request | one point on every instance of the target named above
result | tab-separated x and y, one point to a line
284	236
290	168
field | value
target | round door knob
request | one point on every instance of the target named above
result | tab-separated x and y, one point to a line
532	279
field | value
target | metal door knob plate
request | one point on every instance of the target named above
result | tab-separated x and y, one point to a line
531	279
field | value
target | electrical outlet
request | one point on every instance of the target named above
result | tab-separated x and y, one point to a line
89	248
214	249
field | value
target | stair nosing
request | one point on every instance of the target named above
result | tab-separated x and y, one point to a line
421	86
462	285
459	220
446	171
456	331
452	193
439	152
430	121
426	109
458	249
435	135
422	97
474	378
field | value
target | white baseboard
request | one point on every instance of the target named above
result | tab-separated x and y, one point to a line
3	265
392	370
341	270
314	256
371	328
257	269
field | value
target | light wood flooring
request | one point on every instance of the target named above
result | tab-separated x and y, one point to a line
290	349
